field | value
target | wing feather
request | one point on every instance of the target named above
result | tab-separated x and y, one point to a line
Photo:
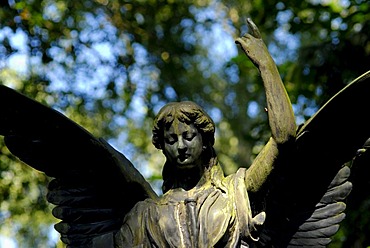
94	185
306	192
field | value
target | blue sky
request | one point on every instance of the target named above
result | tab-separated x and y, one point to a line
21	62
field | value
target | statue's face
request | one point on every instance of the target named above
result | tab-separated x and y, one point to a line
183	145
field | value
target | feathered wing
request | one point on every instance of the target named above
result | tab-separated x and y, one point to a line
304	198
94	185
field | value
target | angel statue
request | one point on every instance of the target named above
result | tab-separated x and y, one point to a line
292	195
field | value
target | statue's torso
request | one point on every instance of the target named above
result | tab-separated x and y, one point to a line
201	217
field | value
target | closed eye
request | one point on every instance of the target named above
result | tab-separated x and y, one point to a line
171	139
189	136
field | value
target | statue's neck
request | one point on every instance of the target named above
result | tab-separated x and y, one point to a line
189	178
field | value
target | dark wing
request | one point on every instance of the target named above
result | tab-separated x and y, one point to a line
94	185
305	196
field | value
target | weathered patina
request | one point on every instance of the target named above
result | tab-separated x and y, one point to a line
292	195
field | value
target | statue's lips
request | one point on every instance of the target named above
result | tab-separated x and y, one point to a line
183	157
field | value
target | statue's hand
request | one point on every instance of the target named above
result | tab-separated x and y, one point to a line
253	45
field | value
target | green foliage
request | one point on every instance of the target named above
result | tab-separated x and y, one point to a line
23	206
110	66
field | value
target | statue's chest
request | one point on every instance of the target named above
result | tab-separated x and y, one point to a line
196	219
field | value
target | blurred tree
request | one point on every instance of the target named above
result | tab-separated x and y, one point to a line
110	66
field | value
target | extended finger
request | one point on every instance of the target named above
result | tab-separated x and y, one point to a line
238	41
243	40
253	29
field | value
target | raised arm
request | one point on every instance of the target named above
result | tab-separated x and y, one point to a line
279	108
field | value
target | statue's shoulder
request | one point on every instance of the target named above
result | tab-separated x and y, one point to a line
238	175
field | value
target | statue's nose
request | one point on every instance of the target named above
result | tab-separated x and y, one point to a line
181	145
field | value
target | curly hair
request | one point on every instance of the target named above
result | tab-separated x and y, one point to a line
186	112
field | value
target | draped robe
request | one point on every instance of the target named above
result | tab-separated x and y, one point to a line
215	213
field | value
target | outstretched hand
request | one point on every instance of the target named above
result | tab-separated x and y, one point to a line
253	45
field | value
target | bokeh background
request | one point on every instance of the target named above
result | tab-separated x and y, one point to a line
111	65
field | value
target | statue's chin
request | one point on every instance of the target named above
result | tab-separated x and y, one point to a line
185	165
